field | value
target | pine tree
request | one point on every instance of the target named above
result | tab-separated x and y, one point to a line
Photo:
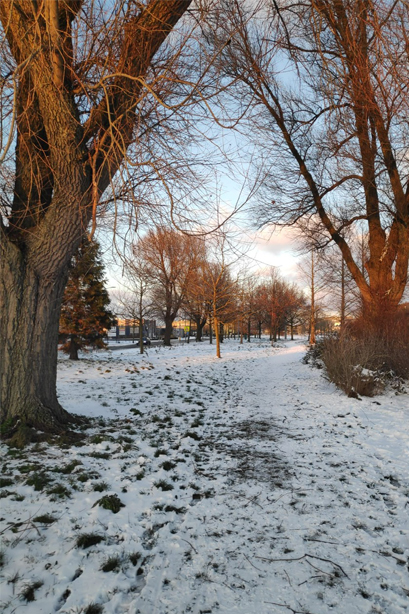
85	316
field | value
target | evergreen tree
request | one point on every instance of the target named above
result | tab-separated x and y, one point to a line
85	316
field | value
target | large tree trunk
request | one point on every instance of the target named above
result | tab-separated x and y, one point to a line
62	168
29	323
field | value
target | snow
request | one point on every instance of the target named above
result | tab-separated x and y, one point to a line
284	494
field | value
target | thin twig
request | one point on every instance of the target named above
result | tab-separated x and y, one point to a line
284	605
246	557
191	545
304	556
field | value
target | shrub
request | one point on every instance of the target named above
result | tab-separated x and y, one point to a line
357	364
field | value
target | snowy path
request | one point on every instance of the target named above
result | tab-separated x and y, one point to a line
250	486
295	475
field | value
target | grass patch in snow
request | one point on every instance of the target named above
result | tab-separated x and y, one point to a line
111	564
163	485
6	482
100	486
134	557
168	465
38	481
59	490
86	540
110	502
93	608
69	468
28	592
100	455
45	519
192	435
160	451
85	476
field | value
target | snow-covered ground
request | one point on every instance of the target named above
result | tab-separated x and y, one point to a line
249	485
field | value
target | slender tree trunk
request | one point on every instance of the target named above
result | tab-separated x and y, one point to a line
217	334
29	324
312	315
292	331
259	329
221	332
141	348
210	332
168	330
248	330
342	296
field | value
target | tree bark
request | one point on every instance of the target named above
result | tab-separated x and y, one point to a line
62	168
29	323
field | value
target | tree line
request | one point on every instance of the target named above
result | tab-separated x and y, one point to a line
103	116
172	274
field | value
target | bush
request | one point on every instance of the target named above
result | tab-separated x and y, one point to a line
361	364
352	364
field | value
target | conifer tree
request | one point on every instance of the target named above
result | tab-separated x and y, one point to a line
85	316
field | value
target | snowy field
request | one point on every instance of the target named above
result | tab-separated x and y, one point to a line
249	485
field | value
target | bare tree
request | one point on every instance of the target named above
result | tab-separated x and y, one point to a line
195	301
296	308
317	288
221	285
74	75
332	132
135	301
171	258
